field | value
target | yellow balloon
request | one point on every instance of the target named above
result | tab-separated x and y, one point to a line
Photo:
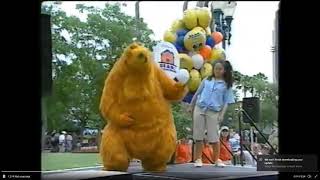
190	18
176	25
206	70
194	81
194	40
185	61
216	54
203	16
170	36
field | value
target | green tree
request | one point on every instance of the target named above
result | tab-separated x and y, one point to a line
245	84
182	120
269	113
258	86
258	83
83	54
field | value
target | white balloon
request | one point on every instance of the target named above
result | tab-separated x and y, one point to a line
197	61
183	76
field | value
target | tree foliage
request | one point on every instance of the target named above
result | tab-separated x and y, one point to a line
83	54
258	86
182	120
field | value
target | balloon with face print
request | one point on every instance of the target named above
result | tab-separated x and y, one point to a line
194	40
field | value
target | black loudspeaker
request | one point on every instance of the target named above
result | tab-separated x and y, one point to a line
46	54
251	106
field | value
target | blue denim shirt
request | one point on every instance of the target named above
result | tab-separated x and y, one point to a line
214	95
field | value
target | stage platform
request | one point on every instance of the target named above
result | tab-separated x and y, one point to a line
177	171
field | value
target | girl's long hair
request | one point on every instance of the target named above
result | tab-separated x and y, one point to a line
227	76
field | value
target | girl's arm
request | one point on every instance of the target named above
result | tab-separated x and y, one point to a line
228	98
223	111
199	90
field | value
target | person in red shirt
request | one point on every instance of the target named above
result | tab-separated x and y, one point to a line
183	153
225	147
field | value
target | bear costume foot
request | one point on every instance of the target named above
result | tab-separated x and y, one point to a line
116	158
154	166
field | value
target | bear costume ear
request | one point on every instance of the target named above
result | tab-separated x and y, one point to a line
133	46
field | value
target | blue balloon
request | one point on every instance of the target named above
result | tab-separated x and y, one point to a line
188	98
210	41
180	41
178	47
182	32
184	50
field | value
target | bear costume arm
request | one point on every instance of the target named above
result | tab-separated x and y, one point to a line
172	91
109	106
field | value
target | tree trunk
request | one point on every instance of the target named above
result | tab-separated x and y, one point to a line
137	12
44	121
252	92
98	139
212	23
200	3
206	4
185	5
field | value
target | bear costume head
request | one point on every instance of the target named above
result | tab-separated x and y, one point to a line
136	58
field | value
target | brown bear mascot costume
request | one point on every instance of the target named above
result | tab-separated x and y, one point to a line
136	103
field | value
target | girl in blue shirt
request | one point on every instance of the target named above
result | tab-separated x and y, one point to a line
209	105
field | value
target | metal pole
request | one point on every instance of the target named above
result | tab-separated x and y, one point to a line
193	141
192	153
252	123
251	135
240	134
223	28
233	156
250	153
224	44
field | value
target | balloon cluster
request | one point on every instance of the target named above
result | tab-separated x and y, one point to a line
196	45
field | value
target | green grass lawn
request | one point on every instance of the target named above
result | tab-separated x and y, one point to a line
55	161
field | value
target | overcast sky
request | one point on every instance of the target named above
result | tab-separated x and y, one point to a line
252	27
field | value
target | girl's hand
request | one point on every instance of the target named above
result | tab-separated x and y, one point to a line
190	108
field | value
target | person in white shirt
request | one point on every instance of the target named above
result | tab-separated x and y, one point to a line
62	144
69	142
